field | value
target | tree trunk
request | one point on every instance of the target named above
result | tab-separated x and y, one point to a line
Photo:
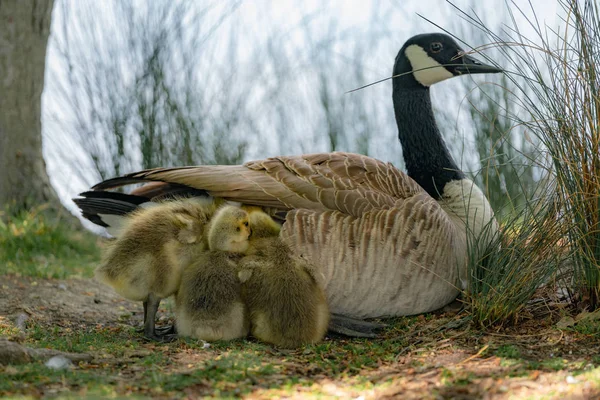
24	31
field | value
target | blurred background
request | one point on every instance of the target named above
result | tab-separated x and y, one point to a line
136	84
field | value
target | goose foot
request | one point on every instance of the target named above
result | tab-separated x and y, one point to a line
164	330
166	334
167	338
352	327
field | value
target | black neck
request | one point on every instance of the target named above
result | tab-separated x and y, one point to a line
426	156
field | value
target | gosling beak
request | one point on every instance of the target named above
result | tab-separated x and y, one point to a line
471	65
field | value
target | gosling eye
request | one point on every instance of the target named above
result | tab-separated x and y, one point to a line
238	229
436	47
246	223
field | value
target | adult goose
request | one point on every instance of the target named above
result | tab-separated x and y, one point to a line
387	243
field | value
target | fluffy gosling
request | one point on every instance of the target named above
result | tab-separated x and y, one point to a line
209	304
145	262
286	305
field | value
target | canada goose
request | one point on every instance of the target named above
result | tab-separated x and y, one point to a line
208	305
386	242
145	262
286	305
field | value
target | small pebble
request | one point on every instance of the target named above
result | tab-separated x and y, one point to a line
21	321
59	362
62	286
205	345
572	380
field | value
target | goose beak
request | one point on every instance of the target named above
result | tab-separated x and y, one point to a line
473	66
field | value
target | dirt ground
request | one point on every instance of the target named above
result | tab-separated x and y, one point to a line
454	362
73	301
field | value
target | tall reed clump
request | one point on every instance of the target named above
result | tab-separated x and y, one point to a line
520	259
561	101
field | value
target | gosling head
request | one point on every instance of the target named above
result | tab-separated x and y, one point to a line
229	230
432	58
263	225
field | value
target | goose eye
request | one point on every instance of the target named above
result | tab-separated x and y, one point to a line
436	47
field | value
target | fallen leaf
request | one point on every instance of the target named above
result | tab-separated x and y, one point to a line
565	322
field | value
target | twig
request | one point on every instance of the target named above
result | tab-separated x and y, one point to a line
480	352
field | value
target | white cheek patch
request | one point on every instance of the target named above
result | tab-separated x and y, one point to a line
426	70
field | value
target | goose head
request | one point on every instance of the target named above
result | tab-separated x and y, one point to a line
430	58
421	62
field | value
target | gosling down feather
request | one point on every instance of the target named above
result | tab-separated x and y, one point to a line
208	303
384	242
286	304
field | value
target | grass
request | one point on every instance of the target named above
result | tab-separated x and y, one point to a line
33	245
550	235
508	351
588	327
113	341
226	369
587	324
405	360
125	366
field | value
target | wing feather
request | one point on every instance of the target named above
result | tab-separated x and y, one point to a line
349	183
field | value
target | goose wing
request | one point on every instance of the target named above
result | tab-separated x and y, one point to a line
344	182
